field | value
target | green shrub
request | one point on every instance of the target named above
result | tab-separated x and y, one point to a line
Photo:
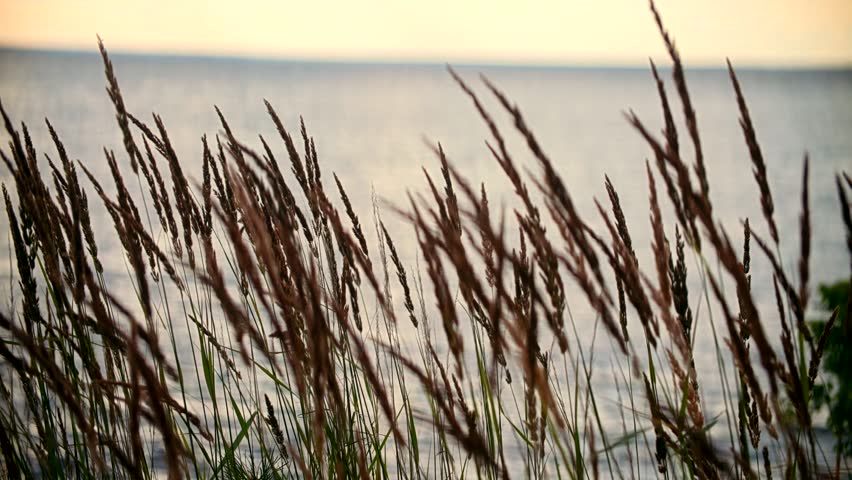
834	390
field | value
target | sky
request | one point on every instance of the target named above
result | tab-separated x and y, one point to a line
750	32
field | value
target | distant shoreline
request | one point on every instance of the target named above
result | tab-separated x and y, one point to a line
413	63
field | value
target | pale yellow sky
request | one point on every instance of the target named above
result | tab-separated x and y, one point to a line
756	32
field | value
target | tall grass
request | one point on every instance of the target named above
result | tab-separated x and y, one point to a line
275	332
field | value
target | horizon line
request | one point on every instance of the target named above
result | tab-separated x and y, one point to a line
428	60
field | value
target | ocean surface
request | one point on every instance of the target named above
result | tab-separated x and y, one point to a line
373	122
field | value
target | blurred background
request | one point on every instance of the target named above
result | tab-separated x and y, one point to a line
558	32
369	79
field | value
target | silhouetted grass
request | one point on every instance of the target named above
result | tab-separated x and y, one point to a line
264	339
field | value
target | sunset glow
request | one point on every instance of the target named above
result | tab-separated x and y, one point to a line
758	32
